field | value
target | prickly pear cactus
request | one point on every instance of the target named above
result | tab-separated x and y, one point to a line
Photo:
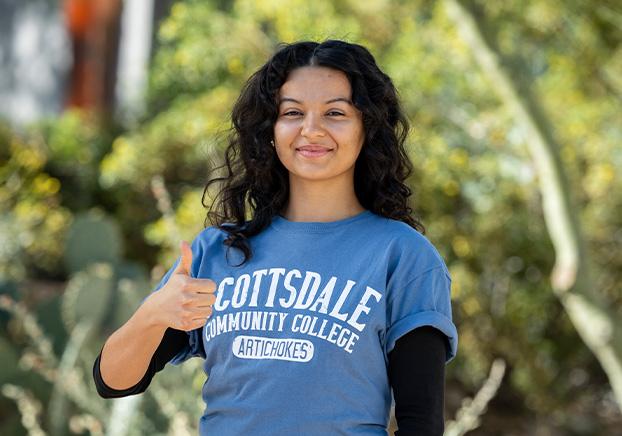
93	237
88	295
9	361
132	287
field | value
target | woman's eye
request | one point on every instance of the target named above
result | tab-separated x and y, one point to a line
335	113
288	113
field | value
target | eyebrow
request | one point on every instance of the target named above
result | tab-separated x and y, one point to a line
332	100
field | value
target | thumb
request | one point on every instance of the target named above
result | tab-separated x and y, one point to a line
185	265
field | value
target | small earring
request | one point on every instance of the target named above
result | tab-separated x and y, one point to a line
272	142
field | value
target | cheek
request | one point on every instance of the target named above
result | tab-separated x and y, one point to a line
284	130
352	134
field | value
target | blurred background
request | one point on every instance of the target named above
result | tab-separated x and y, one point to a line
112	114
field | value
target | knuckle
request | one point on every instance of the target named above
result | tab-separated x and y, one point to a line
185	283
211	285
185	298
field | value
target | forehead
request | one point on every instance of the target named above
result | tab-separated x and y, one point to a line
315	83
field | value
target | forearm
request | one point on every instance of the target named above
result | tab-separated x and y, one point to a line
417	376
126	354
172	343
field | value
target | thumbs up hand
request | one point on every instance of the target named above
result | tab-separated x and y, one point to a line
183	303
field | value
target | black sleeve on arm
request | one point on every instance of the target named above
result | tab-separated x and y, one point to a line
416	372
172	343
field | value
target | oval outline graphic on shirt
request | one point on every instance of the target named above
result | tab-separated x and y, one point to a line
259	347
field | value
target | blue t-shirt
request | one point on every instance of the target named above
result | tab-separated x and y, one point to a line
299	336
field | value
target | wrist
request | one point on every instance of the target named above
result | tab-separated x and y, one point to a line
148	317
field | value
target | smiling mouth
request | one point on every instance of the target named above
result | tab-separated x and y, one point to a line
313	152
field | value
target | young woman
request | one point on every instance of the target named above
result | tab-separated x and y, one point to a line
329	299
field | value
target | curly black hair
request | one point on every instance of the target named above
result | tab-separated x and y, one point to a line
256	184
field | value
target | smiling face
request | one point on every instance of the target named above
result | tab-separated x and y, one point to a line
318	133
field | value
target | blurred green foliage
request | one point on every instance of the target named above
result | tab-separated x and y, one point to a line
474	185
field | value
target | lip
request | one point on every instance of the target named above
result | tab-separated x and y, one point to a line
313	151
313	147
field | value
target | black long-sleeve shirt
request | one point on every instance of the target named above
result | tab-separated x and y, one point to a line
416	373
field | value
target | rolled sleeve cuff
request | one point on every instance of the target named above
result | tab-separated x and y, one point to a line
428	318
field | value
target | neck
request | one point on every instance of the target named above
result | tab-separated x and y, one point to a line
321	201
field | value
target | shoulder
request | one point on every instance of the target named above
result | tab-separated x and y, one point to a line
410	253
207	238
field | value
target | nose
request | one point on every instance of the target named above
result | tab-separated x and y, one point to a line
312	126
